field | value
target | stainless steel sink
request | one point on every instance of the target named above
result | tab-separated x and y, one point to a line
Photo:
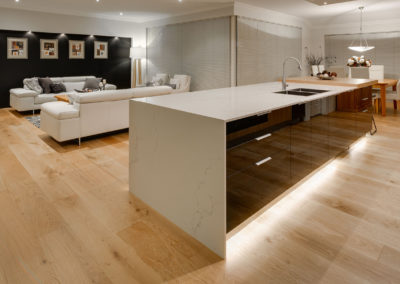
302	92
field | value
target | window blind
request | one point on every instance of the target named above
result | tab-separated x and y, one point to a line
200	49
261	49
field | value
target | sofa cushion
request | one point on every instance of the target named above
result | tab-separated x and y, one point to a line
45	84
110	87
76	78
92	83
57	88
151	91
60	110
22	93
33	84
44	98
71	86
122	94
57	79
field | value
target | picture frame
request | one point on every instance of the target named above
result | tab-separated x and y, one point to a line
76	49
49	49
17	48
101	50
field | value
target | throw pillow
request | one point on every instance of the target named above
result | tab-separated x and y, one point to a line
33	84
92	83
45	84
175	82
57	88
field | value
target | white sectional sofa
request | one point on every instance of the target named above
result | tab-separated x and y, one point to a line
24	99
92	113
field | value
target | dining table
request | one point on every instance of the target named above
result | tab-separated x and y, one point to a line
383	85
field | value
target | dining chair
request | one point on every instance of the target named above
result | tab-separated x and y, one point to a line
377	72
394	95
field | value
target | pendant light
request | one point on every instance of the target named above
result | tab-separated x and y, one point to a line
363	44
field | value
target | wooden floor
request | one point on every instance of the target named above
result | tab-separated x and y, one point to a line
67	217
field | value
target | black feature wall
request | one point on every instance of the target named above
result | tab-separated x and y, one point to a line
116	69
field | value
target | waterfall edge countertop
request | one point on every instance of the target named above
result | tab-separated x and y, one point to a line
344	82
229	104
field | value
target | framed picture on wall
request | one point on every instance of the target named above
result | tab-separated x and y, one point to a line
76	49
49	49
17	48
100	50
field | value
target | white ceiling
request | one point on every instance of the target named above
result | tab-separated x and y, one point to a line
133	10
148	10
340	12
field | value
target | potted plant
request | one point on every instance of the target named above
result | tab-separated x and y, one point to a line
314	61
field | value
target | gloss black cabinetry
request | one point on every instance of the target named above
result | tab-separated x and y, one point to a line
263	167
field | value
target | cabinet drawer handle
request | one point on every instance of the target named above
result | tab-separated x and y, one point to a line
263	137
259	163
364	99
365	110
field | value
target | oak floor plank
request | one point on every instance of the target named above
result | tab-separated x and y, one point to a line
68	217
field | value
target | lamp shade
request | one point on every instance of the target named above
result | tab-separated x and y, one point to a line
137	52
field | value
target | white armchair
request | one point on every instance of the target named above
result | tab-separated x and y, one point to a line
182	83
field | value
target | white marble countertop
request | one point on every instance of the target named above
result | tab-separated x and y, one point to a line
234	103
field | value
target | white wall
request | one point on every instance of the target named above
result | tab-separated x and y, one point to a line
14	19
204	15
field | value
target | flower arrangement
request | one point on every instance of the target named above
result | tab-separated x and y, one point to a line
356	61
314	60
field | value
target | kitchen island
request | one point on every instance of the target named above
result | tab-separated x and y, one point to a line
353	101
209	160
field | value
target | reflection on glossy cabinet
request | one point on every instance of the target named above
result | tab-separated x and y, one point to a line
262	168
354	101
258	171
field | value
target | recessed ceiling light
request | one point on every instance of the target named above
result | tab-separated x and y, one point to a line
328	2
17	1
97	1
121	14
179	1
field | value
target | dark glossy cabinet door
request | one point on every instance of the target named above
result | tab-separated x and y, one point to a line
343	131
365	113
261	169
301	150
258	172
321	134
364	121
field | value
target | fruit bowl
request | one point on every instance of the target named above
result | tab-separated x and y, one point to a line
326	75
325	78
